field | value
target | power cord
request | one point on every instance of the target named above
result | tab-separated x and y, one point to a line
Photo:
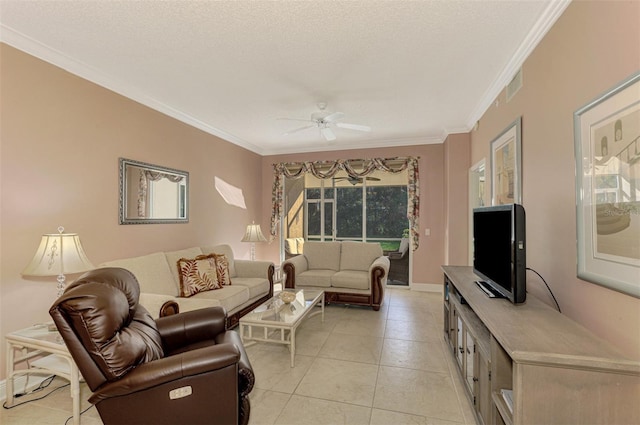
81	413
39	388
545	282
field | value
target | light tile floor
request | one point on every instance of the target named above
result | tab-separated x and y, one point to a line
357	367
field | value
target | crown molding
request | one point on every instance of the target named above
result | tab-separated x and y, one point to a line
323	146
548	18
39	50
59	59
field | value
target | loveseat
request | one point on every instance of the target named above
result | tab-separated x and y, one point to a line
159	279
349	272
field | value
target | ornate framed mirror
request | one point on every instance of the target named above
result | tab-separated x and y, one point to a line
152	194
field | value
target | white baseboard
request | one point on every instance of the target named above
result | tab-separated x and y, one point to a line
19	385
427	287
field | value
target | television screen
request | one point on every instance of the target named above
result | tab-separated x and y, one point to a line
499	253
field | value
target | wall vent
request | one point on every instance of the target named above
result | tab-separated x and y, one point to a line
514	85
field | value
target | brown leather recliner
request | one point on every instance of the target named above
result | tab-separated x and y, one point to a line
181	369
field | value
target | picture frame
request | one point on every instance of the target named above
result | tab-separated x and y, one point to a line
607	151
506	165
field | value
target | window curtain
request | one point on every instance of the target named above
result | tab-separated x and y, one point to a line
354	168
143	185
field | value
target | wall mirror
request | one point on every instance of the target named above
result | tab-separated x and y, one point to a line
152	194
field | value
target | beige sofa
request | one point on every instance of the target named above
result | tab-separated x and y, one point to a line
349	272
157	273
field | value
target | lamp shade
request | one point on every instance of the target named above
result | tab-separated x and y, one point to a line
58	254
254	234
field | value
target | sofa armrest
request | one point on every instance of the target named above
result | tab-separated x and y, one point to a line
154	302
293	265
378	272
247	268
186	328
150	375
382	262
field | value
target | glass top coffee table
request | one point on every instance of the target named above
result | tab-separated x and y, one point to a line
278	320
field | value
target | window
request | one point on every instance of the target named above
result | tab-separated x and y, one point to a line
372	209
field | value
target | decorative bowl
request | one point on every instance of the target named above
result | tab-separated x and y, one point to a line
287	297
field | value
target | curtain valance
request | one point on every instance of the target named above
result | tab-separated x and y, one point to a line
355	168
143	185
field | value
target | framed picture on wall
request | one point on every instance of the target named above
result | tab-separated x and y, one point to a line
506	168
607	149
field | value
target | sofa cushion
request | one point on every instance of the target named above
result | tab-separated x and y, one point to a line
174	256
198	274
152	272
350	279
315	277
230	297
323	255
257	286
359	255
222	249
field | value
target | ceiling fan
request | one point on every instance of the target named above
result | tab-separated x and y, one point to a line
324	121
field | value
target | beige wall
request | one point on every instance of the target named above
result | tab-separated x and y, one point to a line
430	255
592	47
61	138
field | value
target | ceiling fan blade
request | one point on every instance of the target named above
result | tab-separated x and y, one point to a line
357	127
333	117
295	130
328	134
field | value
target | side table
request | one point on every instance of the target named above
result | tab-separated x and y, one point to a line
55	359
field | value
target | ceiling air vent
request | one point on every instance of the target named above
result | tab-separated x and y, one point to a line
514	85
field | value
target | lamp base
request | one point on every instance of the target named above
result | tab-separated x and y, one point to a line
61	284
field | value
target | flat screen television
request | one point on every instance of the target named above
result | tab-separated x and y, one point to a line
499	251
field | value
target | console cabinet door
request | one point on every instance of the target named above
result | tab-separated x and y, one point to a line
470	360
483	385
460	342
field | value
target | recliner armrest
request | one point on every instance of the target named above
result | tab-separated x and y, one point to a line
157	372
186	328
245	370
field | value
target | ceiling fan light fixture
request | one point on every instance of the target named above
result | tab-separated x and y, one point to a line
323	121
327	133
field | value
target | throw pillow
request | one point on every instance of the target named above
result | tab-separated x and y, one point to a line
198	275
222	266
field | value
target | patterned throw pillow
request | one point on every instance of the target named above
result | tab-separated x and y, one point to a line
198	275
222	266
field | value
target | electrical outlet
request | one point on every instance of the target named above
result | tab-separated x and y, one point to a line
427	232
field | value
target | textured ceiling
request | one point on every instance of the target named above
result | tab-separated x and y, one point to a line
414	71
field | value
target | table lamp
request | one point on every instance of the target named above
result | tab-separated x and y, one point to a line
58	253
253	235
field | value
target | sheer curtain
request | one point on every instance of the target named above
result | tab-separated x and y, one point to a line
354	168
